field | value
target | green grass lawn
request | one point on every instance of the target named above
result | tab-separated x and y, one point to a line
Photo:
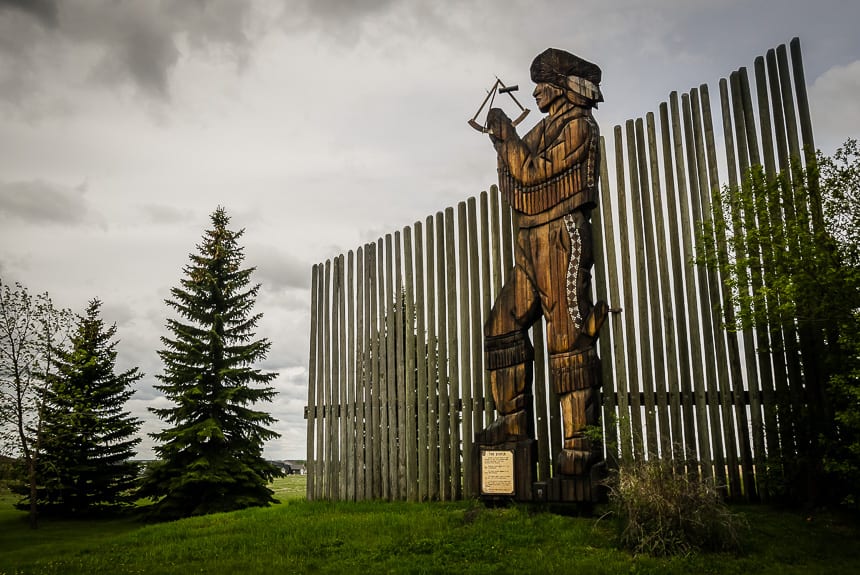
374	537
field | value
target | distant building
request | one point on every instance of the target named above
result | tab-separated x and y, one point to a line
291	467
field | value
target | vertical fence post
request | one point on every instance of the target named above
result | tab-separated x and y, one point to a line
350	383
311	410
691	192
381	361
409	350
476	342
453	355
676	344
421	353
664	360
612	352
432	369
340	392
466	404
712	209
650	341
391	301
443	363
761	394
625	419
708	293
400	354
360	378
632	277
376	436
688	294
326	392
487	301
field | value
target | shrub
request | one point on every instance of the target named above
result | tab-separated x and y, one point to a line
10	472
661	512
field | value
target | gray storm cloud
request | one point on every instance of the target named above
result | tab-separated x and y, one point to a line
278	269
45	11
40	202
161	214
137	43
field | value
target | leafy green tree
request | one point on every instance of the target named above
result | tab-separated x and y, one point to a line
840	180
794	268
840	177
30	330
88	437
212	456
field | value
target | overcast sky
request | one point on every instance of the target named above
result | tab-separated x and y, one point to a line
319	125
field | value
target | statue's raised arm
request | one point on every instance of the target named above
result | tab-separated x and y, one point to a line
554	166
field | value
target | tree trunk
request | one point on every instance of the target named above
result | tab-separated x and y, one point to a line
34	512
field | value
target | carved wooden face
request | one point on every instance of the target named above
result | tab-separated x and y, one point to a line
545	94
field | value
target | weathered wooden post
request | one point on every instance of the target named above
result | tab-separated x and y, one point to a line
550	178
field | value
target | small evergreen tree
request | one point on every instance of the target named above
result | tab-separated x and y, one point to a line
88	438
212	456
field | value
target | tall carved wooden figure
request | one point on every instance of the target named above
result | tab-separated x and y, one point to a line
550	177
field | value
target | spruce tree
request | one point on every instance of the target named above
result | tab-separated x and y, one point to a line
212	456
88	437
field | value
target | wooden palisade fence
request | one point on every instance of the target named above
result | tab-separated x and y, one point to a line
397	386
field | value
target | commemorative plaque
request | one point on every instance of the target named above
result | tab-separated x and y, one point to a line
497	472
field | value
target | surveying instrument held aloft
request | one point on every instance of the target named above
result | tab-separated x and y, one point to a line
498	87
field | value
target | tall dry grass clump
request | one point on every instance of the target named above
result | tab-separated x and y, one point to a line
661	512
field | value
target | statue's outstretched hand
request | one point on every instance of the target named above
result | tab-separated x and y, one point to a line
499	125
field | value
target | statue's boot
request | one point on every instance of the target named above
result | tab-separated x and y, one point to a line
577	457
509	385
578	411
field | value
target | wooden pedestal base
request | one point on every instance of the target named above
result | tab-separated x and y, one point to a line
503	472
506	472
573	488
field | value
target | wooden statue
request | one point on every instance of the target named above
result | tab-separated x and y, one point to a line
550	177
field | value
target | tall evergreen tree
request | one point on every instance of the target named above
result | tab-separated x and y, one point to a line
212	457
88	437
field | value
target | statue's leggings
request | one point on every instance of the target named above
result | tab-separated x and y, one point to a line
552	276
